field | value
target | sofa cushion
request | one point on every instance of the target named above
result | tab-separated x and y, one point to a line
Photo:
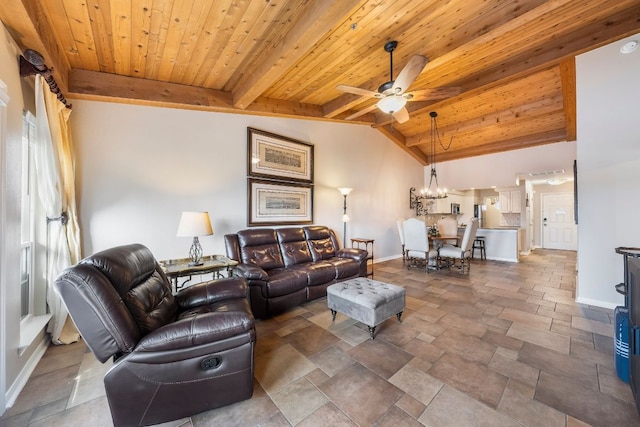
317	272
134	274
345	267
260	247
285	281
293	246
322	242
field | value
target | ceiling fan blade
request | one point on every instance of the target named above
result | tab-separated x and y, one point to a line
402	115
433	93
362	112
357	90
409	73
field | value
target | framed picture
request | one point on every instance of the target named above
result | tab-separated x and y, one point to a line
277	157
279	203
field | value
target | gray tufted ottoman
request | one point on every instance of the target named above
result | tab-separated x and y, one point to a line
367	301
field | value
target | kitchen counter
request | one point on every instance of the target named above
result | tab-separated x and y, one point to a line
501	244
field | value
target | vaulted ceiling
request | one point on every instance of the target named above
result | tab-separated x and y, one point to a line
513	61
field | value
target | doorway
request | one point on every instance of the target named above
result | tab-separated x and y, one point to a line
559	230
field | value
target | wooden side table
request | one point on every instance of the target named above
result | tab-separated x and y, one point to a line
214	264
366	244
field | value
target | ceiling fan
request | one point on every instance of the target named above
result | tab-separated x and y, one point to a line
392	95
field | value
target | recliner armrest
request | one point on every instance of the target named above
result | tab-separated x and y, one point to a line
250	272
353	253
212	291
197	330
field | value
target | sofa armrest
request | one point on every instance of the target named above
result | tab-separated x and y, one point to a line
197	330
359	255
250	272
212	291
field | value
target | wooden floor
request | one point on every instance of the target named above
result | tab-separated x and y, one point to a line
505	345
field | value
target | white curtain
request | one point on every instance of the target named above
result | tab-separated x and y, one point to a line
55	169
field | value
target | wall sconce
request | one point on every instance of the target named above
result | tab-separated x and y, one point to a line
194	224
345	218
416	202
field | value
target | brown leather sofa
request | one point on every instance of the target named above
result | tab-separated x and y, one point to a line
286	267
174	356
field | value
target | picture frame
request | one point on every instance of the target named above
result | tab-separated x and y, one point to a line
278	157
279	203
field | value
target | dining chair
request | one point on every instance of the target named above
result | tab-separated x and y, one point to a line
401	234
448	226
416	245
448	254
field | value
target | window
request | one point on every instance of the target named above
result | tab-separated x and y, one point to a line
27	216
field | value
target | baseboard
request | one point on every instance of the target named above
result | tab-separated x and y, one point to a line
388	258
27	370
502	259
597	303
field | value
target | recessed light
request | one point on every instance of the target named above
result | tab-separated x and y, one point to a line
629	47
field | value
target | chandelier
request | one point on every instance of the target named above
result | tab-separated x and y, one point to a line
427	196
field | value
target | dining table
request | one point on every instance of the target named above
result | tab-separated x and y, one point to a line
440	240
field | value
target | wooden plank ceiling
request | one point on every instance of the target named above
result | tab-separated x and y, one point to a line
512	60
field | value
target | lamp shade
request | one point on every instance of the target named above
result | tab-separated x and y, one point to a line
194	224
345	190
392	103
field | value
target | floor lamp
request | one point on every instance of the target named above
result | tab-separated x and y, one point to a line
345	218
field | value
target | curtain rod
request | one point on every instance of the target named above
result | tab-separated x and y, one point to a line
32	62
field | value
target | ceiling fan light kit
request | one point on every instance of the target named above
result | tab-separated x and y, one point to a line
392	103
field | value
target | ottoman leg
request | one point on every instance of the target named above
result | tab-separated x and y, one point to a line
333	315
399	315
372	330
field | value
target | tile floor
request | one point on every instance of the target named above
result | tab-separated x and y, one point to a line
505	345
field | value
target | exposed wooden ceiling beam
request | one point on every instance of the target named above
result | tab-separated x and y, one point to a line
568	78
111	87
31	30
341	104
517	143
318	19
539	107
399	139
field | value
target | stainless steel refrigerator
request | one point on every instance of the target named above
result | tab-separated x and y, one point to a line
478	212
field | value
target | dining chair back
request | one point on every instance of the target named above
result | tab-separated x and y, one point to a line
448	254
401	234
448	226
416	242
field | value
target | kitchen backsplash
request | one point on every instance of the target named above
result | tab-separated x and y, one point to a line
510	220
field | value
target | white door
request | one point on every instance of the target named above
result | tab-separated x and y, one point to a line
559	230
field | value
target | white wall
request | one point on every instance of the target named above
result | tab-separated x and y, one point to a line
139	167
500	169
608	168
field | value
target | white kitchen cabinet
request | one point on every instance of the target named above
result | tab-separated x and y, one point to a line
510	201
516	200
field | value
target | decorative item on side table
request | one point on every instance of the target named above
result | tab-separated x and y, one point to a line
420	202
345	218
194	224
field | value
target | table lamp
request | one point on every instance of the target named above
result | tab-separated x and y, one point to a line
194	224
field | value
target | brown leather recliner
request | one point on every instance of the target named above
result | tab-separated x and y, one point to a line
174	356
